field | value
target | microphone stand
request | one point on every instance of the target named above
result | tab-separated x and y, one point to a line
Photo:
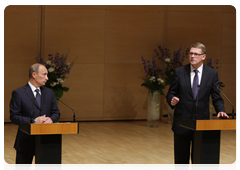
228	101
68	107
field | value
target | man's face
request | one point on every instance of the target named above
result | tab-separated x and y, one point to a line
196	57
41	77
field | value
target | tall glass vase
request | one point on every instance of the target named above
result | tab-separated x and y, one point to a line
153	109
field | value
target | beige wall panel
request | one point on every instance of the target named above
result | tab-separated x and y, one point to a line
80	31
85	94
21	34
15	76
131	34
124	98
229	38
186	28
135	7
228	77
195	8
21	43
109	42
229	91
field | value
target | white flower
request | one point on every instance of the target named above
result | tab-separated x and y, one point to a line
49	62
167	60
50	69
152	79
160	81
60	80
53	84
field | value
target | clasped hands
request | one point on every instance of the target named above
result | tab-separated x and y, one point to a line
43	120
175	100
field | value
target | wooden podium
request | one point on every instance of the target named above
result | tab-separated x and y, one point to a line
48	140
207	135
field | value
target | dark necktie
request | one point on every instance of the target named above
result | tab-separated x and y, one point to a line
38	97
195	84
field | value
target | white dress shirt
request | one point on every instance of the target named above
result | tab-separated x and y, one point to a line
192	74
33	89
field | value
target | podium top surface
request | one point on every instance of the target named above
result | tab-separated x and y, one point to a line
50	129
213	124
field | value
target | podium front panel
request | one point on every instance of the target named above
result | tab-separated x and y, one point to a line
213	124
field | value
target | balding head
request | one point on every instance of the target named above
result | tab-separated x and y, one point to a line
38	75
34	68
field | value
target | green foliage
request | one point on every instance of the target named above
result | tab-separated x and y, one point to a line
58	69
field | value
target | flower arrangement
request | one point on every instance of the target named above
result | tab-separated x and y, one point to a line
58	69
210	64
157	76
170	62
153	77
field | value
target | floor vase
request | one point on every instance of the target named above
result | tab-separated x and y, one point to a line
153	116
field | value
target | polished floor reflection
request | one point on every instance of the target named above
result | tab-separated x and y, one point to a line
120	142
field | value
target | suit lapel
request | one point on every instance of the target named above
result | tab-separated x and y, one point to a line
44	96
29	93
188	79
204	78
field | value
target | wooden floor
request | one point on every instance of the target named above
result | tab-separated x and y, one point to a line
120	142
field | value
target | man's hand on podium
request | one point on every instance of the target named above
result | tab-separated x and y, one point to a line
48	120
43	120
222	115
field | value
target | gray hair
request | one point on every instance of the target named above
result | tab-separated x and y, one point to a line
33	68
199	45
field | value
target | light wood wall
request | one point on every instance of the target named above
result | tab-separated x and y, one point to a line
109	41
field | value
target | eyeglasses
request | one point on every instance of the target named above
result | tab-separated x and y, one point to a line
195	54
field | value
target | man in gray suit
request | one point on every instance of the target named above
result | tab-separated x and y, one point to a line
192	83
32	103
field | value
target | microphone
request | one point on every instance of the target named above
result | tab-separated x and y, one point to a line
227	100
68	107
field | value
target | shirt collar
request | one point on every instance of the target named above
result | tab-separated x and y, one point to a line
33	87
199	68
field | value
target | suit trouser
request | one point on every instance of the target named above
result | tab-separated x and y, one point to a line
24	157
183	147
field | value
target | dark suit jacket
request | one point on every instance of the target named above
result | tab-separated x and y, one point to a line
21	105
181	88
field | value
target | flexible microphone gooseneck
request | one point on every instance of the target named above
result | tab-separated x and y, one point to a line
68	107
228	101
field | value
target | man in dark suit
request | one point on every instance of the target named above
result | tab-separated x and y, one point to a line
183	98
29	106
